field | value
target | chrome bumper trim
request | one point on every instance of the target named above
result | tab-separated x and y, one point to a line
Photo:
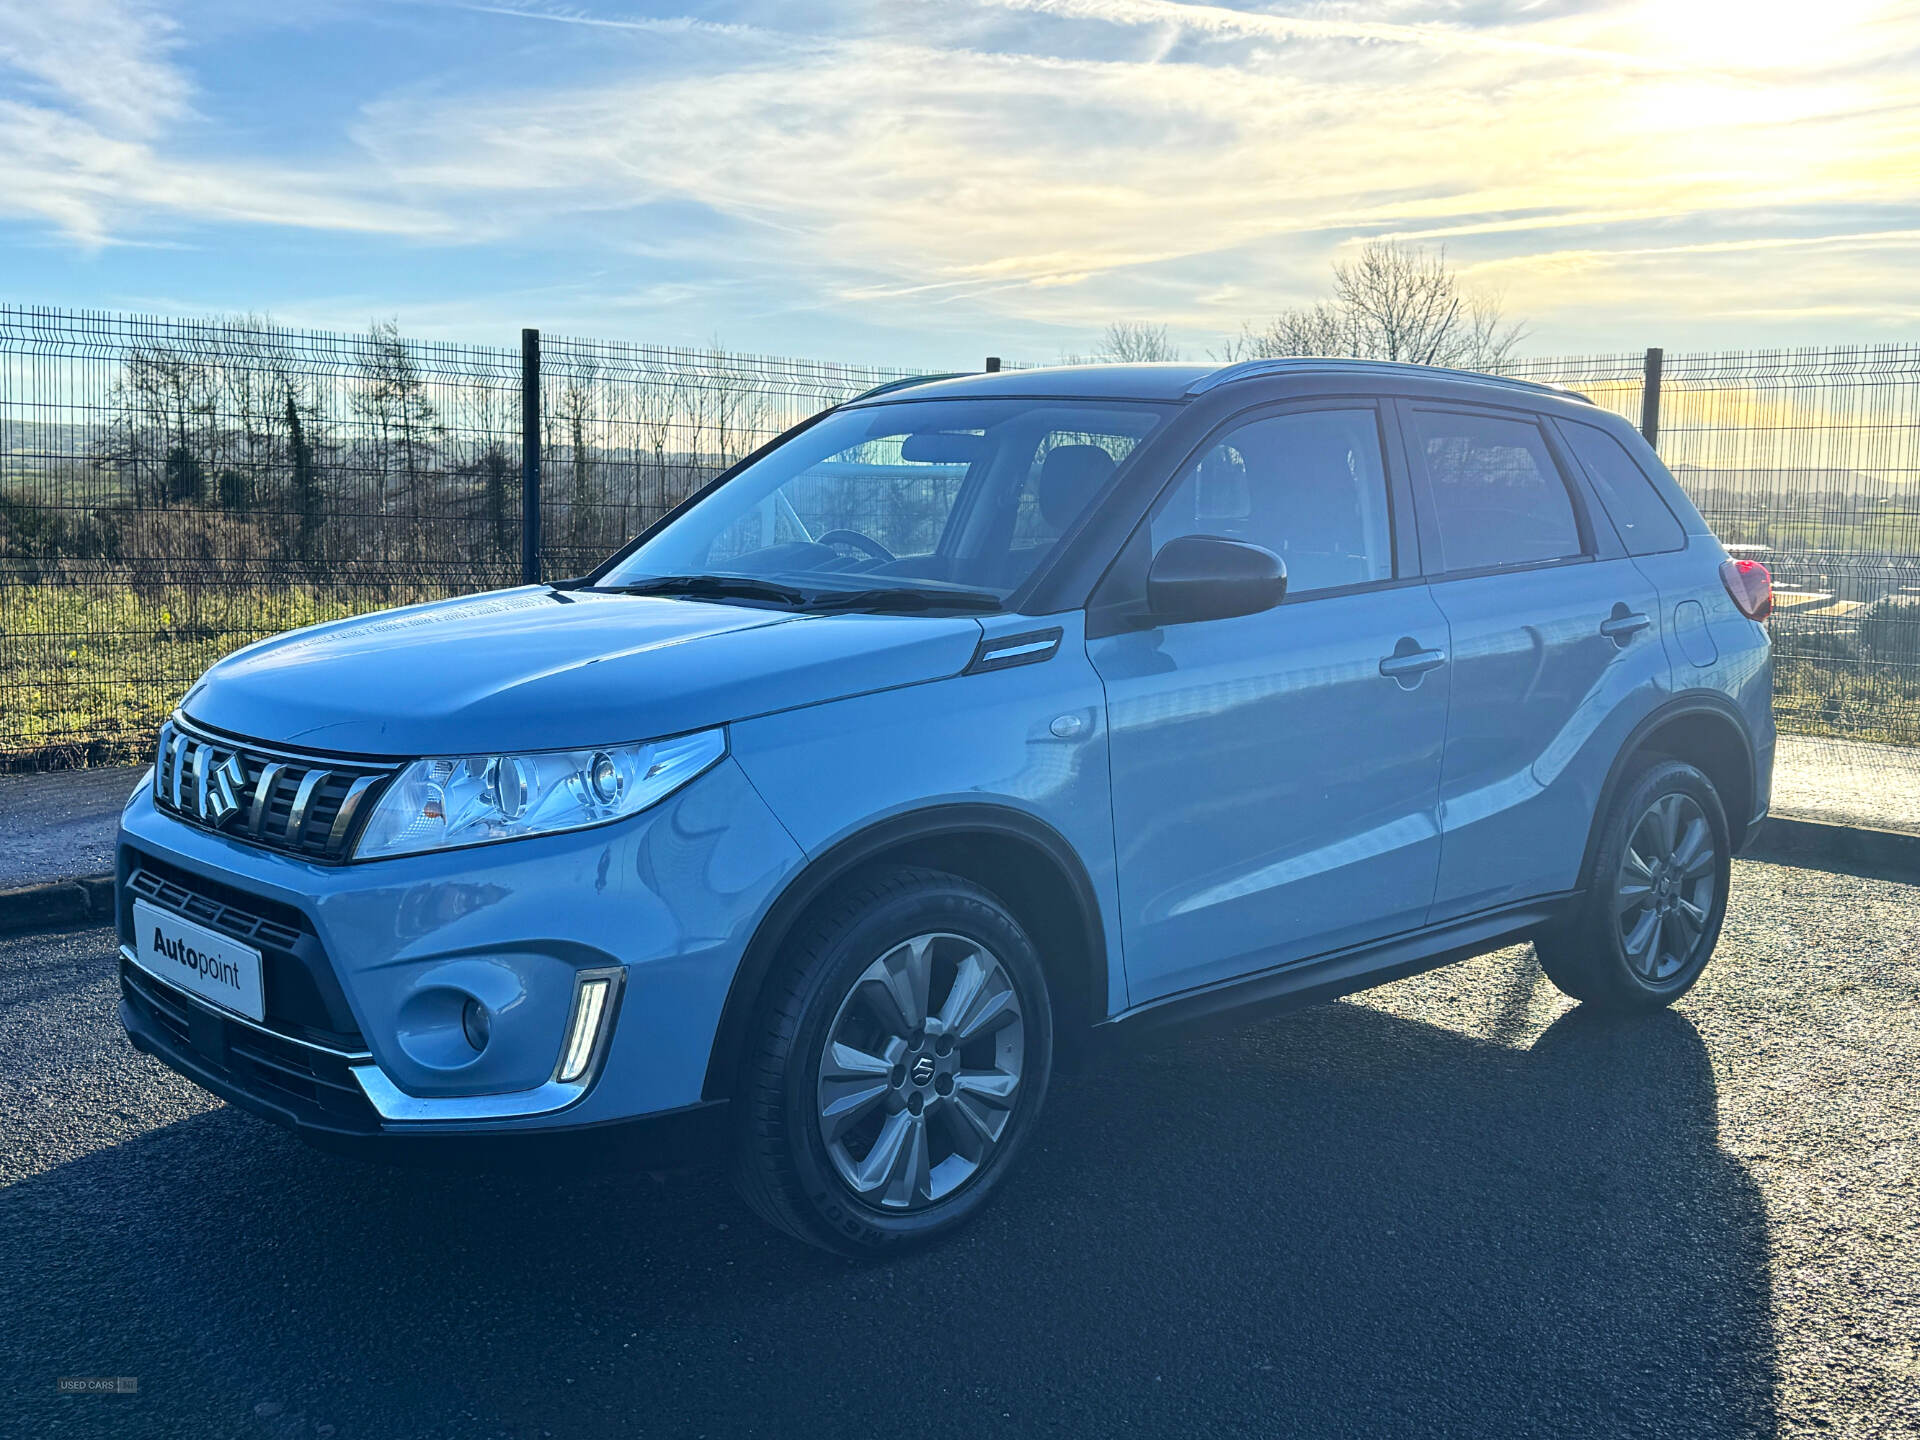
389	1101
234	1017
395	1105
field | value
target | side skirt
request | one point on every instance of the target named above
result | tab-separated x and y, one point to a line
1328	977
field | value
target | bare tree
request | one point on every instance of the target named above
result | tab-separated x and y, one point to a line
160	408
1392	302
659	410
575	413
1126	342
303	487
392	399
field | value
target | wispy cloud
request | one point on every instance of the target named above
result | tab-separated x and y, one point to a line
1223	21
935	165
640	24
109	60
90	138
1045	164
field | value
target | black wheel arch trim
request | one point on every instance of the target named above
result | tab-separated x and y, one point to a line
1620	774
834	864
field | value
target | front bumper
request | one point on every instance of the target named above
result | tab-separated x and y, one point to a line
240	1069
367	968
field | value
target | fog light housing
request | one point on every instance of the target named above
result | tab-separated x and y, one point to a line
587	1027
476	1022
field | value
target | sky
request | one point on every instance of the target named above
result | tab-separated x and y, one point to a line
923	182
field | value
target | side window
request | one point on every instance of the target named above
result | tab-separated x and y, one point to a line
1498	497
1309	486
1646	525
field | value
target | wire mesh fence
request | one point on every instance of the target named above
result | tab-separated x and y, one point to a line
630	430
173	489
1809	461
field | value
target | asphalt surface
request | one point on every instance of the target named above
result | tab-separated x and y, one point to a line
60	825
1457	1206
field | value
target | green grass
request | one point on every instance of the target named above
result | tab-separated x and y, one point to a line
1846	700
87	676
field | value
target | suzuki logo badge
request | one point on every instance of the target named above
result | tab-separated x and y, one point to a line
220	796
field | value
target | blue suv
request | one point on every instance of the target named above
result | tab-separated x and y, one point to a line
962	728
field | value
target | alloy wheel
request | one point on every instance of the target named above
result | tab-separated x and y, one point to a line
1664	894
921	1071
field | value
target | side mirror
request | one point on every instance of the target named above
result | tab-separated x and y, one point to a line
1205	577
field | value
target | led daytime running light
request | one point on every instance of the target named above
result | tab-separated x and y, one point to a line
583	1034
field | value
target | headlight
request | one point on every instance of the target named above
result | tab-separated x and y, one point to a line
473	799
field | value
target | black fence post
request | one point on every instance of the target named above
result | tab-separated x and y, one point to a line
529	457
1650	397
993	363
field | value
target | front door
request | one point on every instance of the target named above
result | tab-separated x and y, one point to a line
1275	776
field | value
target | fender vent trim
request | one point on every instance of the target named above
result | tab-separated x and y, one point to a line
1003	652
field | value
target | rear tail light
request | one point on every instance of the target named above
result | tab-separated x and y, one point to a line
1751	586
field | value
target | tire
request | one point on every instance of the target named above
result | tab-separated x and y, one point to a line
1617	948
869	1154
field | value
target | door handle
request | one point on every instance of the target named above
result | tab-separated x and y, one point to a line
1623	625
1410	664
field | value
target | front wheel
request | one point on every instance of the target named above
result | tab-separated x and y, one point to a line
1654	899
901	1058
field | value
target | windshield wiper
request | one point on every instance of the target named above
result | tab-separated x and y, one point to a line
712	587
740	587
903	597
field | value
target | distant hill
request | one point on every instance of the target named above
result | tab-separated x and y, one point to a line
1797	481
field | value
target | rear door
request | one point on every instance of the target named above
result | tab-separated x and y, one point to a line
1274	789
1555	644
1652	534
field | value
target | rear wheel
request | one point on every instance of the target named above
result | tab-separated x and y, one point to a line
900	1063
1655	896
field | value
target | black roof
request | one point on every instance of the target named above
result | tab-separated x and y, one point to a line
1173	381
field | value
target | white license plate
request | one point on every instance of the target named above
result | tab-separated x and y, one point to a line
200	961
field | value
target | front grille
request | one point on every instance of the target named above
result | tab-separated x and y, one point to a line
303	995
305	805
208	911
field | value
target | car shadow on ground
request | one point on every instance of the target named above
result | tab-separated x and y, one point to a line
1341	1223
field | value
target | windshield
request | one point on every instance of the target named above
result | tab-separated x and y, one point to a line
934	500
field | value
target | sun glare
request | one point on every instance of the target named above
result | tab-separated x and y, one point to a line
1759	33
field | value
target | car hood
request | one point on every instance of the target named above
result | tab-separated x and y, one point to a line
534	669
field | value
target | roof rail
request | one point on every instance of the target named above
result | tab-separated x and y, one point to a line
903	383
1253	369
